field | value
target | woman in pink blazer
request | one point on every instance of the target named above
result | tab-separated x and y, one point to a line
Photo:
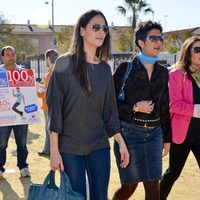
184	92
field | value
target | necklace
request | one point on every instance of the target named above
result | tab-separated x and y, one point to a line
195	74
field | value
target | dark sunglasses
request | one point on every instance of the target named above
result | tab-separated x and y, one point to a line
195	49
155	38
97	27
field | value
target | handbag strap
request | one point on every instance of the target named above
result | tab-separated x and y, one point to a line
65	186
50	181
128	70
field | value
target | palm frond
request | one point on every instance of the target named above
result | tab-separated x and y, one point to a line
121	9
142	5
148	10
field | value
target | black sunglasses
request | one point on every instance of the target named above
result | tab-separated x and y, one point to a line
97	27
195	49
155	38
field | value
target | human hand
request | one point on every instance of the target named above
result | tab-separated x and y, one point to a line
122	149
145	106
38	88
166	148
56	162
124	155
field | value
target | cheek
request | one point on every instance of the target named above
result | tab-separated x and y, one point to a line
193	58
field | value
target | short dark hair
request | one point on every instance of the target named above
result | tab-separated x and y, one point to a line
144	28
52	55
5	48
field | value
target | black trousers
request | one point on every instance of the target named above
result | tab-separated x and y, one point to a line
14	108
177	157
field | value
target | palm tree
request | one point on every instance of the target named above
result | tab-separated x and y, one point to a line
136	6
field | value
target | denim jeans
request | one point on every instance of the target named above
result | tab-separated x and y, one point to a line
20	133
97	167
46	148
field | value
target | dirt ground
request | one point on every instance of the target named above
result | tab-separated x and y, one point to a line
12	187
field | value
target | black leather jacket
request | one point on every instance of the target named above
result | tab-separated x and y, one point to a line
138	88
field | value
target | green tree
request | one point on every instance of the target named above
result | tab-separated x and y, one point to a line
5	30
63	38
136	7
23	46
174	40
124	39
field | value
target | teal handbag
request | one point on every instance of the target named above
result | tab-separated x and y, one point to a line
49	191
121	93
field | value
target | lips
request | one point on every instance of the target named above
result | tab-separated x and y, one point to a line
100	38
157	48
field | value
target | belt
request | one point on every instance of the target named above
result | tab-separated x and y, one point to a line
145	126
148	123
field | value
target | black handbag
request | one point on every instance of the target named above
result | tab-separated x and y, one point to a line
49	191
121	93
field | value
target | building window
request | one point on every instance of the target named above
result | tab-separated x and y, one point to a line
35	42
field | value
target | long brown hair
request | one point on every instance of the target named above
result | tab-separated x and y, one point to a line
77	50
184	60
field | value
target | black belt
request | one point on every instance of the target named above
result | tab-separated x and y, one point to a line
148	123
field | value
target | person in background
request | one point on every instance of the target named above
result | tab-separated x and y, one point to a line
144	115
50	57
8	54
83	110
184	93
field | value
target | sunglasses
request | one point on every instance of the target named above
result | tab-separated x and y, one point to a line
195	49
155	38
97	27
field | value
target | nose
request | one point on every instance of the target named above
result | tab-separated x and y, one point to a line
101	30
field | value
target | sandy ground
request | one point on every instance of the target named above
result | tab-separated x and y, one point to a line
12	187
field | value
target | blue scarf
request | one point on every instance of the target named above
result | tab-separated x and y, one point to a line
146	59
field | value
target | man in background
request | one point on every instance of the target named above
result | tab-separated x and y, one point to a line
50	56
8	55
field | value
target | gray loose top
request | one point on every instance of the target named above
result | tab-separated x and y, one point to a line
83	122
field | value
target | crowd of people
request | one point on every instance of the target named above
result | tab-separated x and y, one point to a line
148	110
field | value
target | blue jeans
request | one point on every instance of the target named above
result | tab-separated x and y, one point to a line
20	133
97	167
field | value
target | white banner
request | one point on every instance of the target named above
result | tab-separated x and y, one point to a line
18	98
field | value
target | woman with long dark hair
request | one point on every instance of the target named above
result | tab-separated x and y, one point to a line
83	110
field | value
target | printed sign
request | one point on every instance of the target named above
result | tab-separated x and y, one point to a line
18	98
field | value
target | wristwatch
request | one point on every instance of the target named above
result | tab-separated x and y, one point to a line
135	108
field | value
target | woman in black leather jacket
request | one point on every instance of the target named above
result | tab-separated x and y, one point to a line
144	115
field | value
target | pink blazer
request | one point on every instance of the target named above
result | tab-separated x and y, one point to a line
181	104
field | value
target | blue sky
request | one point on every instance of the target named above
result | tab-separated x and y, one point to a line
172	14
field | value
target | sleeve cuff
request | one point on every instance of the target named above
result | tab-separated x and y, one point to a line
196	112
